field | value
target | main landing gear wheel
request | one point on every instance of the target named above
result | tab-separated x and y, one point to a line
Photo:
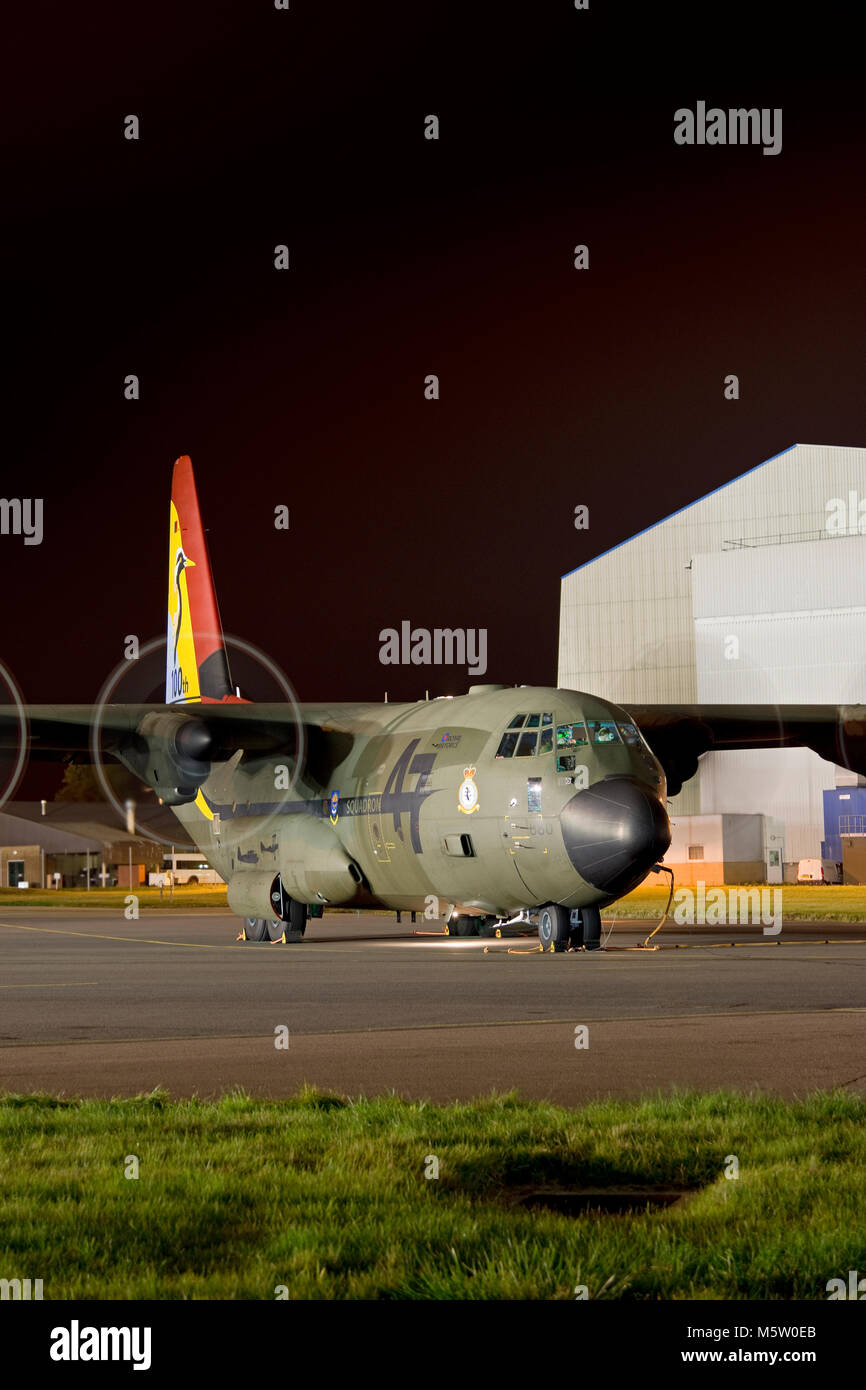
462	926
297	917
554	927
272	928
293	928
588	932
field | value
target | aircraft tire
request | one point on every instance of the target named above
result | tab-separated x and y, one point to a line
274	928
591	920
554	927
297	916
256	928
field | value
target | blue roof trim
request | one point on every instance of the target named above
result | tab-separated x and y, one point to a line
652	527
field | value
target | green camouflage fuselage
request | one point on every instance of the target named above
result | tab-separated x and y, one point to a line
403	830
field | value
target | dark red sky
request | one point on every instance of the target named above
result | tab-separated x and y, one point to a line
408	257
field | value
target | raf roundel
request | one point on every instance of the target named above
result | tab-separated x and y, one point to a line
467	797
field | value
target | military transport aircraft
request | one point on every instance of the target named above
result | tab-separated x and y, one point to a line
503	805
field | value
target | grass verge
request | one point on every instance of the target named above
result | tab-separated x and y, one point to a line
182	899
329	1197
831	902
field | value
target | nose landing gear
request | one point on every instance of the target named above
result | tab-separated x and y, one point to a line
586	931
559	928
554	927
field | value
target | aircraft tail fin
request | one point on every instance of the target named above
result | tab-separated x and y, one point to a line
196	664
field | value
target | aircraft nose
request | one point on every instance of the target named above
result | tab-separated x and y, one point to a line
614	831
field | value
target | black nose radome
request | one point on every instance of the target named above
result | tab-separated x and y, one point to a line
614	832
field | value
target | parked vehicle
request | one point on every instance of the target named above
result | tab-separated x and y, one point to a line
818	871
187	868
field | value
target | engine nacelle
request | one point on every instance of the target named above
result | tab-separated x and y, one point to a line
258	893
171	753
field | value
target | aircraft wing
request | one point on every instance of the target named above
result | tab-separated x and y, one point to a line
679	734
215	728
172	747
194	736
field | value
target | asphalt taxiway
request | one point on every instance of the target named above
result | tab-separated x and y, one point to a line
92	1004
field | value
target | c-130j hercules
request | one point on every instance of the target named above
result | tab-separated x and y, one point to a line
505	804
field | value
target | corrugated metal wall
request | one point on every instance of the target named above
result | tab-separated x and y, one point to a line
647	622
782	623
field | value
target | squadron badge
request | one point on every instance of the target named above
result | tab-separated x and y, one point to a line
333	806
467	797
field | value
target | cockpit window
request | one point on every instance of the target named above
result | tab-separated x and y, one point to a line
629	734
571	735
632	736
507	746
602	730
523	745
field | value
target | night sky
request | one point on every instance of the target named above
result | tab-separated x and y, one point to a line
407	257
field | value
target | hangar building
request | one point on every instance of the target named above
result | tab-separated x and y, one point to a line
41	839
32	852
755	593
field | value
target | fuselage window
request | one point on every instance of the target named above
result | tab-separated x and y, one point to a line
571	735
533	721
526	747
546	741
546	719
517	721
602	730
507	746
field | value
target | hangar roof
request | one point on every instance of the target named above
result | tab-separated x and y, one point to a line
813	469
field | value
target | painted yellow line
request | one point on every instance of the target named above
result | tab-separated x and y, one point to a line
319	947
103	936
68	984
309	948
